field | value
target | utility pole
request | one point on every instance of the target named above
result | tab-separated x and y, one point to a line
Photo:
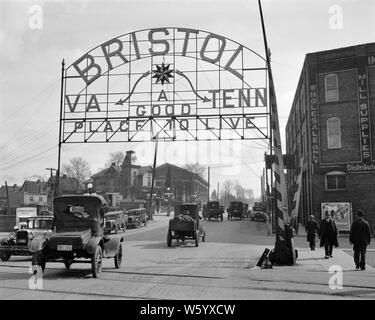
6	188
208	195
60	128
153	178
50	186
218	194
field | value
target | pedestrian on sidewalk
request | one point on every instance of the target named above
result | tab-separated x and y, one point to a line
360	238
312	228
328	235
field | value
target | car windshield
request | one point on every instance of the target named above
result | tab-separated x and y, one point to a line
213	204
134	213
189	210
236	204
258	209
110	216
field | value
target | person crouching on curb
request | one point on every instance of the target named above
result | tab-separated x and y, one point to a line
328	235
360	238
312	228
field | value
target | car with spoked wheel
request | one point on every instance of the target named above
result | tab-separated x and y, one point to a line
79	232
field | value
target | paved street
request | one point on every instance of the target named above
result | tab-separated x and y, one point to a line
223	267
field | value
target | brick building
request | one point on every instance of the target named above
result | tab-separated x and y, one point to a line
183	183
330	131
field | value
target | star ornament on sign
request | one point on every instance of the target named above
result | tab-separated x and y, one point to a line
162	73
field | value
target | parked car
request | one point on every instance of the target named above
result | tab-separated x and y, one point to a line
214	210
235	210
136	217
115	221
186	225
18	243
78	233
258	213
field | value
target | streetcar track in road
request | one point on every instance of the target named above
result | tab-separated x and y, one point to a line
165	275
84	293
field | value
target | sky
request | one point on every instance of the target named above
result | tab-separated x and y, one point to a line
36	35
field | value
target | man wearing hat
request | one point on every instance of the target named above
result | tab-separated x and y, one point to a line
312	228
360	237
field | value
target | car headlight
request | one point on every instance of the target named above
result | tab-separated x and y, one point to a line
12	236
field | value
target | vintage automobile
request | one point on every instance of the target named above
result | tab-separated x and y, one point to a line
235	210
186	225
136	217
115	221
79	233
214	210
258	213
18	242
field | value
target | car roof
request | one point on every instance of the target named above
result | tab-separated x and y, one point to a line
82	196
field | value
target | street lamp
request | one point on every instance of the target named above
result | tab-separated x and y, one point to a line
194	197
168	194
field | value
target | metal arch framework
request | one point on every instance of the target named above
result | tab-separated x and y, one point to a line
175	83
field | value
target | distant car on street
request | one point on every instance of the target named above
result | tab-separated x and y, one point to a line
258	213
114	221
136	217
214	210
235	210
186	224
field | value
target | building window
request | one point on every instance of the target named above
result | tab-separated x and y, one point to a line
333	133
331	87
335	180
31	198
40	199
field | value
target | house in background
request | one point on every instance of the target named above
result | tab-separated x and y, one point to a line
130	180
13	199
33	193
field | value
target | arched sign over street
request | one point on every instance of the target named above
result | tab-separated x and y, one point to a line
177	83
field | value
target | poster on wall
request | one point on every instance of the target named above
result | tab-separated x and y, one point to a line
341	213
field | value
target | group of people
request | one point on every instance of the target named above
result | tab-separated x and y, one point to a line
360	236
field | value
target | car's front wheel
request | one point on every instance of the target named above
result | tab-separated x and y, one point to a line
97	262
4	256
118	257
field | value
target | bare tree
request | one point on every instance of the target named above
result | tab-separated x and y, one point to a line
227	190
79	170
196	168
115	157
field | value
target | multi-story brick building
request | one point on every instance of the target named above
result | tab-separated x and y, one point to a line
331	133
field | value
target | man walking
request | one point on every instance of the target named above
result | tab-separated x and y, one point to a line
311	229
328	235
360	237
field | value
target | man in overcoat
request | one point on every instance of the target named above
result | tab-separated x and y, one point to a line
312	228
360	237
328	235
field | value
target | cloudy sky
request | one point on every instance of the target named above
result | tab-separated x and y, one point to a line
36	35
